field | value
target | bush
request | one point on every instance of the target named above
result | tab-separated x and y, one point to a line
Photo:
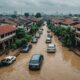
28	37
18	42
24	41
13	46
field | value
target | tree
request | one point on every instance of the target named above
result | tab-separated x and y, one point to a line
13	46
38	15
18	42
34	28
65	34
13	16
20	33
26	14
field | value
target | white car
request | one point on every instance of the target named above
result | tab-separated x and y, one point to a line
37	35
48	40
51	48
8	60
40	31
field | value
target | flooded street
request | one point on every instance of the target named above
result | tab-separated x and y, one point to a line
62	65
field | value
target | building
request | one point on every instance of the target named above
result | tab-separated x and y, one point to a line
7	34
77	35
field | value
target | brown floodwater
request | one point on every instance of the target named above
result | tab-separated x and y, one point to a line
62	65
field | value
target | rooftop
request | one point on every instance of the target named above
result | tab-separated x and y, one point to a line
6	29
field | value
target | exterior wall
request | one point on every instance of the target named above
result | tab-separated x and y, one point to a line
6	41
77	36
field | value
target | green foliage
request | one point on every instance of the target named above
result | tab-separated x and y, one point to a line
20	33
13	46
26	14
34	28
66	34
38	15
18	42
13	16
28	37
24	41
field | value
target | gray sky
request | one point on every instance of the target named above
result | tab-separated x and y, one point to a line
43	6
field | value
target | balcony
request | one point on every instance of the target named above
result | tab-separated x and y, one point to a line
77	31
78	39
7	37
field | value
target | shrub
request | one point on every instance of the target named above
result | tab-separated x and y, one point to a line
18	42
24	41
13	46
28	37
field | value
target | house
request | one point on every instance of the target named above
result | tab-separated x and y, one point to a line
7	34
77	35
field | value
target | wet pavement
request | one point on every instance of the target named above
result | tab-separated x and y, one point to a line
62	65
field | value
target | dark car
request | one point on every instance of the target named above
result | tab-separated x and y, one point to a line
26	48
1	64
36	62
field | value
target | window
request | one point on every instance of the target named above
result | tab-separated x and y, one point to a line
78	29
2	36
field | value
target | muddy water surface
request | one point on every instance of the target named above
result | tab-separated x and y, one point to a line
62	65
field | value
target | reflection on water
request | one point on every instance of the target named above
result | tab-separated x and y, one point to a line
62	65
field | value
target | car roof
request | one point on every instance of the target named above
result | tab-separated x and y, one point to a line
51	45
9	57
48	38
35	57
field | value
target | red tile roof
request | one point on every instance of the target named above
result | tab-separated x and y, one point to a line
57	21
6	29
68	22
77	25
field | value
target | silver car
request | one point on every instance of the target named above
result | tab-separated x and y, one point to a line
49	35
51	48
48	40
37	35
34	40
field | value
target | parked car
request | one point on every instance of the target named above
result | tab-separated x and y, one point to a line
8	60
1	64
40	31
26	47
51	48
34	40
48	31
36	61
37	35
49	35
48	40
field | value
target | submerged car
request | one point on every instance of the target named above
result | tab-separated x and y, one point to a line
51	48
36	61
48	31
26	48
48	40
37	35
34	40
8	60
40	31
49	35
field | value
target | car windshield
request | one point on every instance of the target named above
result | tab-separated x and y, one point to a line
34	61
51	46
24	46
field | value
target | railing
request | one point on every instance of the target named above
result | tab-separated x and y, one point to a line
7	37
78	38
